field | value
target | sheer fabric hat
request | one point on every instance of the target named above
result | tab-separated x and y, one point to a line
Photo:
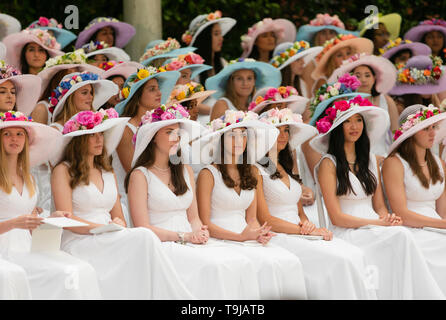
63	36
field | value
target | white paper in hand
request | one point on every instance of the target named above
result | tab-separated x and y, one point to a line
62	222
111	227
306	236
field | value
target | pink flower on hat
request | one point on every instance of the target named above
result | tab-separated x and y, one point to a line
86	119
193	58
327	20
43	21
323	125
70	126
341	105
174	65
350	81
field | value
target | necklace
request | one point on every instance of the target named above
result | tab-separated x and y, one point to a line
423	165
352	163
161	169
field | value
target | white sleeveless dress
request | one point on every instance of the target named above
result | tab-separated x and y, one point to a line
422	201
229	103
397	267
14	283
130	263
381	146
280	273
333	269
51	275
211	271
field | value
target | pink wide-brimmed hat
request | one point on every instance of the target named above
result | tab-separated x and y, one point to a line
15	42
8	25
125	69
27	87
284	30
2	51
271	95
393	47
417	33
358	45
124	32
385	71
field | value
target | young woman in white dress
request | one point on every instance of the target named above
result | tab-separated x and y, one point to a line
226	193
24	144
14	284
349	179
130	263
162	198
414	179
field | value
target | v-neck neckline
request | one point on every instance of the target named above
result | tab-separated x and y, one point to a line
17	190
161	181
103	184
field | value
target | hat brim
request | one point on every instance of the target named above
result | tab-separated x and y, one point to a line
299	132
392	21
400	89
320	108
147	131
264	136
385	71
416	33
307	32
166	82
196	69
103	90
12	24
200	96
296	103
375	118
124	32
113	130
417	49
303	54
27	91
266	76
225	23
112	53
124	69
2	51
172	54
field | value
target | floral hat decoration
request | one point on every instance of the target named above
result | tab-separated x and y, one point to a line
89	122
199	23
286	53
417	33
288	95
375	118
119	68
415	118
345	87
39	135
64	37
100	47
190	60
394	46
189	91
169	48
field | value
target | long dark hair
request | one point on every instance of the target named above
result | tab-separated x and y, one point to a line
285	159
23	62
288	80
362	148
399	53
147	159
93	37
442	53
203	43
373	92
255	53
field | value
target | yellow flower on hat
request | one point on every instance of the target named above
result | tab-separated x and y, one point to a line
259	99
282	90
125	92
181	95
142	73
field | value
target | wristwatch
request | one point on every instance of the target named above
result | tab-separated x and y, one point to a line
181	236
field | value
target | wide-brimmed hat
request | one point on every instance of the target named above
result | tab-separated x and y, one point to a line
2	51
15	42
160	49
64	37
358	45
89	122
344	88
375	118
27	87
166	82
393	47
8	25
201	22
124	32
321	22
103	90
416	33
266	75
270	95
76	59
159	118
385	71
284	30
421	75
415	118
187	92
288	52
261	136
299	131
392	21
114	68
100	47
191	61
43	140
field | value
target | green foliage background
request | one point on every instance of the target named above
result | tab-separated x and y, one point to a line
177	14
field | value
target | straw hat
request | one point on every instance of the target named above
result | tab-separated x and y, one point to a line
191	61
187	92
288	52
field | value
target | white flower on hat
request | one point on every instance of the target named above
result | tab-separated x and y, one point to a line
334	92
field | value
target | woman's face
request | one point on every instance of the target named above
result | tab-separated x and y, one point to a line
151	95
283	138
298	66
167	139
185	76
324	35
403	57
95	143
217	38
244	82
425	138
7	96
352	128
120	83
266	41
381	36
365	75
235	142
98	59
341	55
435	41
35	55
13	140
106	34
83	98
193	109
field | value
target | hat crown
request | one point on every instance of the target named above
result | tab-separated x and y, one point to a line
413	109
282	47
419	62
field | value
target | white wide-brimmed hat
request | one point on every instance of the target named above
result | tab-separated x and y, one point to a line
100	47
261	136
125	69
89	122
375	118
416	118
299	131
288	52
2	51
271	95
43	140
103	90
9	26
159	118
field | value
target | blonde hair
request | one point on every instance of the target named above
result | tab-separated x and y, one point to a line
232	96
69	108
23	167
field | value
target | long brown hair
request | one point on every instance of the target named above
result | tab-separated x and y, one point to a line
79	168
288	80
131	108
69	109
407	151
147	159
22	165
232	96
54	82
